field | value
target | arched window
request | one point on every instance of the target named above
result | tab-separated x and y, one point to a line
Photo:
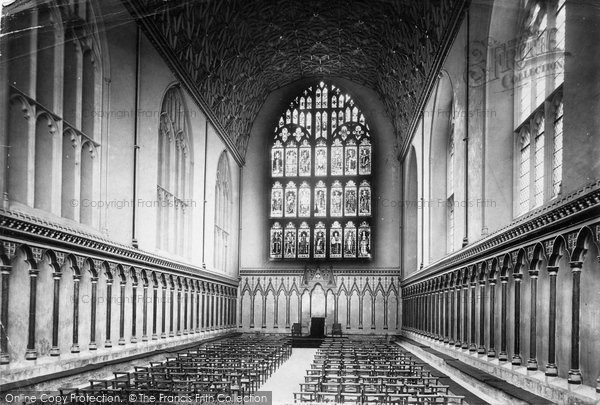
538	87
321	160
222	213
174	175
450	195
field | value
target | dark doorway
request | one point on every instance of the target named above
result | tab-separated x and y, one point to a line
317	327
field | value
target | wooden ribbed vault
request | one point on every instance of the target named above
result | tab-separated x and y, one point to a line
235	52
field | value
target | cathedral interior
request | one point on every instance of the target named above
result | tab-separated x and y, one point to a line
286	201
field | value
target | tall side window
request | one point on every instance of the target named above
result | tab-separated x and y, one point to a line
222	214
450	195
320	161
539	72
174	176
61	159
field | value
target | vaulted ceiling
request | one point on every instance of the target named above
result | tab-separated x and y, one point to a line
233	53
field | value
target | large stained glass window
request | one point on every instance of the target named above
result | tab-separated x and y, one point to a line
321	194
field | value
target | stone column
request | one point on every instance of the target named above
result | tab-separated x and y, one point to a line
492	351
503	356
452	335
551	367
466	335
516	358
385	311
287	310
145	313
447	315
93	345
372	312
108	342
171	310
473	345
481	348
348	311
133	312
178	332
5	274
458	343
574	371
122	315
264	311
275	310
154	311
532	361
75	345
163	320
252	297
55	350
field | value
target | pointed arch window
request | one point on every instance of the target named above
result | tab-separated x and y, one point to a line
321	165
222	214
174	175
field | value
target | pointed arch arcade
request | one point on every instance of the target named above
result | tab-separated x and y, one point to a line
321	176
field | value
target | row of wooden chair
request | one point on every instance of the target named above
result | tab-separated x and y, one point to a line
231	367
370	372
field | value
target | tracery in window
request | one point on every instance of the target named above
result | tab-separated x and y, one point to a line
539	161
557	147
321	164
174	175
222	214
524	161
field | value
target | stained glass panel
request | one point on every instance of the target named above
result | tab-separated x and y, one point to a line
291	159
350	240
291	201
289	243
350	150
304	241
319	249
277	200
321	160
304	200
320	200
305	159
337	158
335	240
336	199
364	240
276	239
364	199
350	199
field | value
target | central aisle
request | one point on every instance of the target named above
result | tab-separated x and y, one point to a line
286	380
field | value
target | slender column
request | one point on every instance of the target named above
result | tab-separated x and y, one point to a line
275	310
134	299
574	371
5	274
75	345
465	333
516	358
492	351
348	312
145	313
163	321
360	311
179	312
300	309
551	367
93	345
122	315
212	311
154	311
452	293
458	343
385	311
503	356
203	311
31	353
171	311
188	299
287	311
532	361
109	282
264	311
447	315
440	306
55	350
372	312
198	326
481	348
252	309
335	308
473	345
